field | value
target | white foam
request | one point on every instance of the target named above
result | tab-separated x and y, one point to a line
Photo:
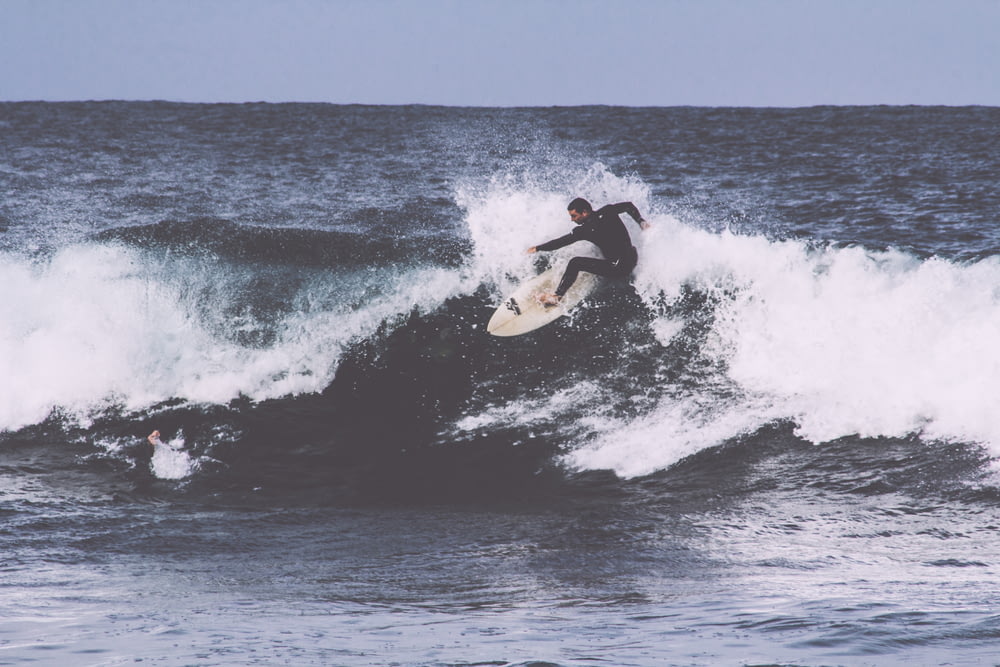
98	326
170	461
674	430
874	344
842	341
534	411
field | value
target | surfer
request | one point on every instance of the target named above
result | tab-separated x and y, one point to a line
605	229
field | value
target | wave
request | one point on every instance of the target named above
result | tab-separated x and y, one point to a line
842	341
378	343
106	326
839	340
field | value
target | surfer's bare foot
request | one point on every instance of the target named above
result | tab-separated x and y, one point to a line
548	300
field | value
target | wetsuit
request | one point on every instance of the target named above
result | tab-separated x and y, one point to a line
606	230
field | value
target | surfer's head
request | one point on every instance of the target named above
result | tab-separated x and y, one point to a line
579	209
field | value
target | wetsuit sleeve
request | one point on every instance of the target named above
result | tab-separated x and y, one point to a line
625	207
560	242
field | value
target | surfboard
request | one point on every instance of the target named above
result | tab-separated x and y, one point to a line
521	311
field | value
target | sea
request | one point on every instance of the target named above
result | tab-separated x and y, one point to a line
777	444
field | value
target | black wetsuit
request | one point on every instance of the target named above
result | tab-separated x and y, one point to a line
606	230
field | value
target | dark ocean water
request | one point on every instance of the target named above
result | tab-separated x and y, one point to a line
778	445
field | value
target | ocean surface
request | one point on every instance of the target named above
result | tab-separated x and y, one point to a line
777	444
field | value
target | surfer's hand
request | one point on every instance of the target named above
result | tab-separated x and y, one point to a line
531	251
644	225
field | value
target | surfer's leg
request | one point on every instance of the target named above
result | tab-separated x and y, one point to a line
600	267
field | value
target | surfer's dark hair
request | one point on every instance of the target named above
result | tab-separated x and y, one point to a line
580	205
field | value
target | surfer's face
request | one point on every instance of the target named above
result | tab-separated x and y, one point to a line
577	216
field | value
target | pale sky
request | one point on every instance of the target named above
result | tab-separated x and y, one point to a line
784	53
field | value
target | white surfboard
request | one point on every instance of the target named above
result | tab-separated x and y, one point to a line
522	312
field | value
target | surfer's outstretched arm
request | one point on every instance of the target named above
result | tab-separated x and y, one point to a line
554	244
